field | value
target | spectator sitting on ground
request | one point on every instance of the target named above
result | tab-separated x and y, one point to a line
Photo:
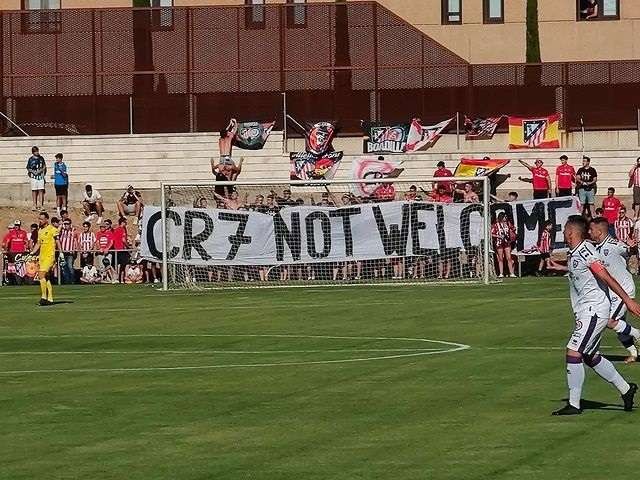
92	204
108	274
61	183
130	203
133	273
37	170
90	274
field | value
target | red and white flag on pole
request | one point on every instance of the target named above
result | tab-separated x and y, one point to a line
422	137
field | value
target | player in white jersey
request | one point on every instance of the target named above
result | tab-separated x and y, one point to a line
614	255
589	286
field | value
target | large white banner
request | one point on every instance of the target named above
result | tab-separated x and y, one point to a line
309	234
528	217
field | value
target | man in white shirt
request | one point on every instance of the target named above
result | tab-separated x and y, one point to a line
92	204
590	285
614	255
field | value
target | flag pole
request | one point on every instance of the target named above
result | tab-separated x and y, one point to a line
458	130
638	125
284	122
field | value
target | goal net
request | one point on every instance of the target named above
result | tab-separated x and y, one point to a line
242	234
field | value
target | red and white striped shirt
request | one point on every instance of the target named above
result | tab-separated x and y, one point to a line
544	245
87	241
634	176
68	239
623	227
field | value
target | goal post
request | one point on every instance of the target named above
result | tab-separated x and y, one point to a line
298	233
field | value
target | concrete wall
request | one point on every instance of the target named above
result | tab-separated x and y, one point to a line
110	163
562	38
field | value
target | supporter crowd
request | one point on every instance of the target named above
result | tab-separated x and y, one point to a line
104	251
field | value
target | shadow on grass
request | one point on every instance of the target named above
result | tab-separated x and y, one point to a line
593	405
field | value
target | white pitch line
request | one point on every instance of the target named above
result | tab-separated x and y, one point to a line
205	352
454	347
224	335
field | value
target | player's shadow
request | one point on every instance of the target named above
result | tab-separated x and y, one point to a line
593	405
615	358
59	302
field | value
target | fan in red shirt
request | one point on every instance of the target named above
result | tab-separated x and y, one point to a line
565	178
120	244
610	208
15	241
441	171
104	242
441	195
539	178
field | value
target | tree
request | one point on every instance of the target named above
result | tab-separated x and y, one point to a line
533	36
533	73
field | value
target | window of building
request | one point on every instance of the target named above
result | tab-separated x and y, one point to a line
43	16
452	12
598	10
254	15
493	11
162	16
297	13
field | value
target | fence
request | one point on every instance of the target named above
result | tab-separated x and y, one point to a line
98	71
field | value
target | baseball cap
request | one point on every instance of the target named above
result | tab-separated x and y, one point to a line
17	222
440	164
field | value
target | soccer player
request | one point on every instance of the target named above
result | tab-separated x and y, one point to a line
46	250
589	285
614	254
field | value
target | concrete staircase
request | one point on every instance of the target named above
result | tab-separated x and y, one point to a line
112	162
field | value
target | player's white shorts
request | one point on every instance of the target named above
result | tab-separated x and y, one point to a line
586	336
618	308
37	184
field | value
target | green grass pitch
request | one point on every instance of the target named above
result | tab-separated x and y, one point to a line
130	383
